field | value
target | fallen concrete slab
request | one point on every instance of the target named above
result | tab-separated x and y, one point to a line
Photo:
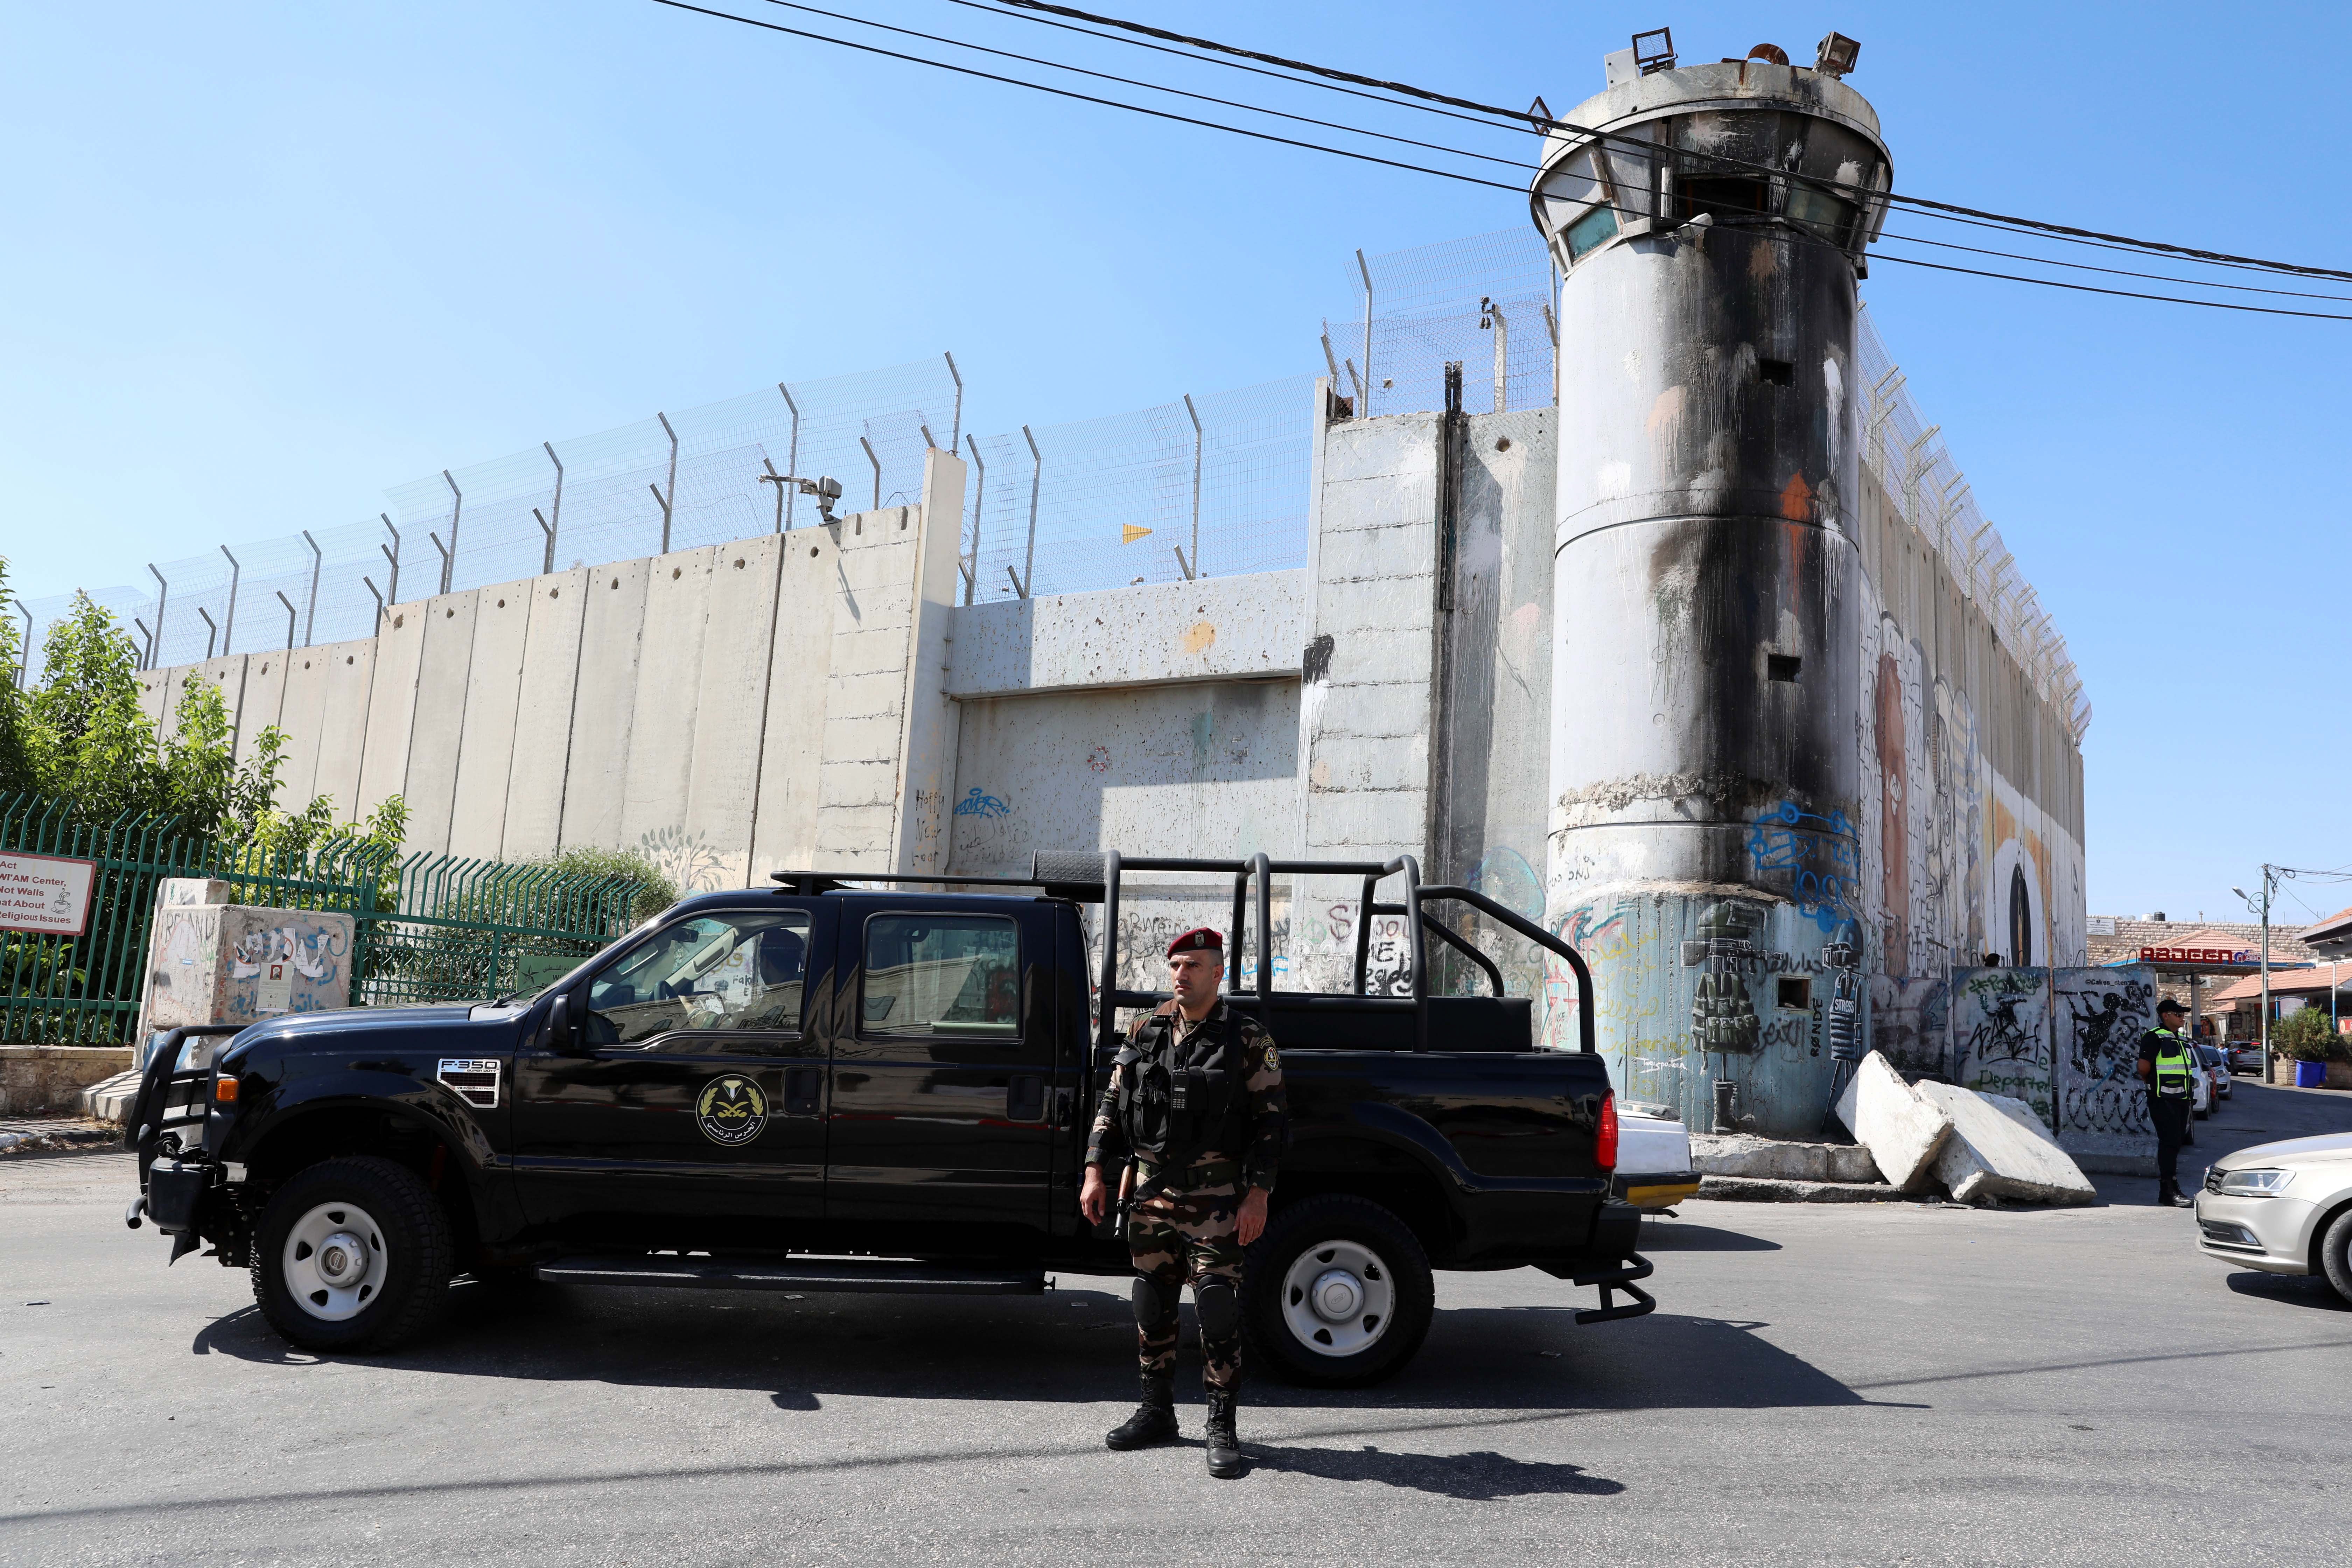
109	1099
1780	1158
1998	1150
1903	1130
1762	1190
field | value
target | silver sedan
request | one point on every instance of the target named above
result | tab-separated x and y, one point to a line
2282	1208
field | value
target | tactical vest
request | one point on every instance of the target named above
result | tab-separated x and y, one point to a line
2172	1067
1182	1099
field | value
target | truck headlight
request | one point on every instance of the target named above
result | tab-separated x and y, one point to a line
2254	1184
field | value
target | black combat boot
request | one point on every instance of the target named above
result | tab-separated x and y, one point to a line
1154	1420
1221	1446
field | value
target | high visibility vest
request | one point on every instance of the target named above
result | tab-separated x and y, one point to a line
2172	1069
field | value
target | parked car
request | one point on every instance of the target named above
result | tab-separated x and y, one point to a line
2200	1088
2244	1055
830	1085
2217	1065
2282	1208
1654	1157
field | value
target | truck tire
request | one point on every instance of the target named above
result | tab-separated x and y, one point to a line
2335	1254
1336	1294
352	1255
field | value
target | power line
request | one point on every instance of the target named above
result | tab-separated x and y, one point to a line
2114	271
1149	86
1084	96
2065	231
1411	168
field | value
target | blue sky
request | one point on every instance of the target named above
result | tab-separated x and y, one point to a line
265	260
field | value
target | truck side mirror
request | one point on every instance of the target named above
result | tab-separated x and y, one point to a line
562	1032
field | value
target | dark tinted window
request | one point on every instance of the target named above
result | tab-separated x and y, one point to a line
941	975
729	971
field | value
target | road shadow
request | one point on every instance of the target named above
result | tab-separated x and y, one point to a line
1483	1477
2310	1292
1681	1236
1066	1346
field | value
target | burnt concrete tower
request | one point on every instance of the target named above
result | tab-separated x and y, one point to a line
1709	223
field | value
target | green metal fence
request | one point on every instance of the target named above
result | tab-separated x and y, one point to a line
466	929
426	928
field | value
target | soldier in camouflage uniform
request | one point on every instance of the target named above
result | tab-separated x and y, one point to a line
1195	1101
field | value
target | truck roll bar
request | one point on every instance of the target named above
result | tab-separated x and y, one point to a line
1087	876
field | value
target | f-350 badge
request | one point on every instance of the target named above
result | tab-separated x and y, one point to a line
731	1110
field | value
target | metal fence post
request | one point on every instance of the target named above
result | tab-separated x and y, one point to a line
669	501
547	559
228	630
555	520
979	500
392	588
456	512
290	618
211	629
955	430
876	461
1366	269
792	458
318	565
162	597
1192	567
146	651
1036	482
1491	318
447	556
369	583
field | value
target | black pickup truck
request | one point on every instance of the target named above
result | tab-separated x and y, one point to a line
844	1083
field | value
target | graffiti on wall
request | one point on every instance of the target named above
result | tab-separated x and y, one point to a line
688	859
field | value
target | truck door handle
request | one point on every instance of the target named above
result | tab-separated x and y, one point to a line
803	1087
1024	1098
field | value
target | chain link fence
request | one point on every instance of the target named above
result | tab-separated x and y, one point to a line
1485	300
1212	484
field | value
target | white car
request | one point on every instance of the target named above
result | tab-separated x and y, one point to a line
2282	1208
2217	1067
1654	1157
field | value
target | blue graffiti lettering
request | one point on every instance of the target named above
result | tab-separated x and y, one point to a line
979	805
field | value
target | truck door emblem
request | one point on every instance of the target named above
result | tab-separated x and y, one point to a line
475	1081
730	1110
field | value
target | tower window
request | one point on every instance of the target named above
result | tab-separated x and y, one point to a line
1588	232
1781	665
1725	196
1776	372
1794	992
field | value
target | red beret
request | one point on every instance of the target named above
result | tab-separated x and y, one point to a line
1196	940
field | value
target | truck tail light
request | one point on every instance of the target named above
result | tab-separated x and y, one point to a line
1605	1146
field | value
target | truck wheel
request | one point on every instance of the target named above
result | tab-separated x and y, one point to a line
1338	1293
2335	1254
352	1255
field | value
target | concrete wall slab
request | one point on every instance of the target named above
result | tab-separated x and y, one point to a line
493	690
1213	629
344	722
541	752
800	669
604	710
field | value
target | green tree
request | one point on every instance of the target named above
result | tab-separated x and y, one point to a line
654	892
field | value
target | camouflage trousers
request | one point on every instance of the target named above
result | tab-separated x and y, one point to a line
1188	1236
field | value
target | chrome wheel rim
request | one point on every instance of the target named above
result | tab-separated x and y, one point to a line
1338	1297
335	1261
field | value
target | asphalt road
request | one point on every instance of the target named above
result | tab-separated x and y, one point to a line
1884	1384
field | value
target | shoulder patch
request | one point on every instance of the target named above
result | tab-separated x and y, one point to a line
1273	1058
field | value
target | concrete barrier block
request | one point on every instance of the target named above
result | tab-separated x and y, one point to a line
1999	1149
108	1099
1903	1130
1780	1158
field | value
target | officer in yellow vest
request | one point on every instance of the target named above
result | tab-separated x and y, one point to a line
2166	1063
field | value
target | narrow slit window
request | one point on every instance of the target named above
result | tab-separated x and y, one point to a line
1782	666
1776	372
1796	991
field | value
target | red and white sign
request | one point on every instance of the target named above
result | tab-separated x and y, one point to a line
45	893
2193	956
